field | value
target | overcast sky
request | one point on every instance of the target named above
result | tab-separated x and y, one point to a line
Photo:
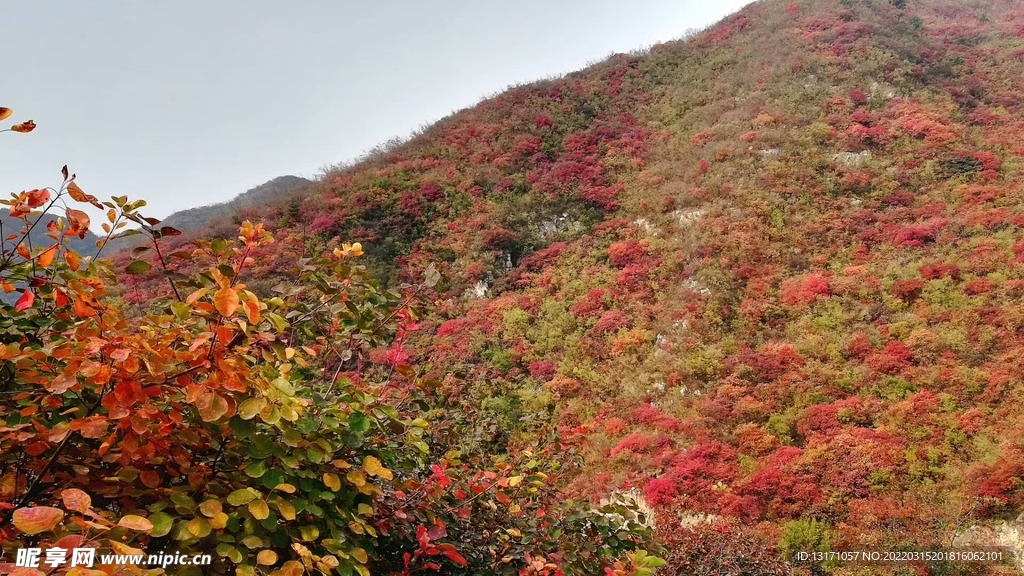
192	102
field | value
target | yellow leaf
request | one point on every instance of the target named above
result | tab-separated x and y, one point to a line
360	555
219	521
266	558
259	509
285	488
286	509
332	481
356	477
515	481
211	508
226	301
373	467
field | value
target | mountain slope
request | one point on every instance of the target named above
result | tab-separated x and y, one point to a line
774	270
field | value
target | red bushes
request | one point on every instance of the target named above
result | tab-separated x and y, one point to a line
646	414
799	291
544	257
819	419
611	321
498	239
635	443
660	491
893	359
452	327
588	306
323	224
938	271
979	286
915	236
907	290
621	254
431	191
542	369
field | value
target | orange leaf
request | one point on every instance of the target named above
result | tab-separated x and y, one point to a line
83	310
73	260
76	500
37	198
24	127
25	302
79	223
61	299
46	256
22	251
5	113
226	300
38	519
133	522
76	193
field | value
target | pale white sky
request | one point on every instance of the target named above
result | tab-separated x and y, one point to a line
192	102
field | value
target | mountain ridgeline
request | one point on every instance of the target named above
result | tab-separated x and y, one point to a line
772	271
205	219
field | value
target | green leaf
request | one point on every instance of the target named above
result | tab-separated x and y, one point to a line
162	524
251	407
255	469
272	479
138	267
243	496
284	386
140	250
358	422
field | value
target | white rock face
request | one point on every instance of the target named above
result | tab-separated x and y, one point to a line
852	159
478	291
694	520
697	287
881	91
687	217
645	225
1004	534
557	225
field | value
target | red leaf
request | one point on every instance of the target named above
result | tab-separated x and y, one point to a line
456	557
25	302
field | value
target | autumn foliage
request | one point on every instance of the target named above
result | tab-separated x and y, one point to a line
256	429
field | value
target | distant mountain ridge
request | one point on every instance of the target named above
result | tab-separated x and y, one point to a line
270	191
194	219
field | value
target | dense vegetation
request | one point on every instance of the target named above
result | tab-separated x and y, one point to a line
769	276
256	430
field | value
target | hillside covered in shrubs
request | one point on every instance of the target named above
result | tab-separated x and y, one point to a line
767	277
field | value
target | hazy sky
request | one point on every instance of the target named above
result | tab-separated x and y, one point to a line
191	102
